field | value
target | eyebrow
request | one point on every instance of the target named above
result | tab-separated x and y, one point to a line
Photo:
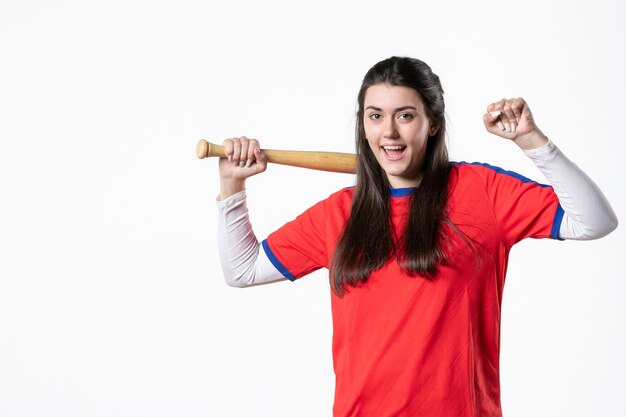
398	109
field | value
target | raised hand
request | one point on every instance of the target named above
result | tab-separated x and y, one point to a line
512	119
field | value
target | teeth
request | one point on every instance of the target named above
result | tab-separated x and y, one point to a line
393	148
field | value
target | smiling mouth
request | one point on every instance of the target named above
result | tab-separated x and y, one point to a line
393	153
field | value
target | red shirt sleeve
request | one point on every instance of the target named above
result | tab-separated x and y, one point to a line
299	247
523	208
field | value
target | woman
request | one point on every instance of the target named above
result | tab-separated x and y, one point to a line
417	250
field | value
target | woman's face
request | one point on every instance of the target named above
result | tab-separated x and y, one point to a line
396	128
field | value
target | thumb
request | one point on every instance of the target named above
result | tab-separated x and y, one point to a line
261	160
492	119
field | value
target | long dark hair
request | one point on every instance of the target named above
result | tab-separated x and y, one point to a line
368	242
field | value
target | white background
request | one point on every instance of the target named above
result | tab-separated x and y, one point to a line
112	301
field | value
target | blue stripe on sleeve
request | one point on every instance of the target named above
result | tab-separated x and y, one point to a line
274	260
556	225
504	171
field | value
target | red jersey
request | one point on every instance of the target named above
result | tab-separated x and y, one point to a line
408	346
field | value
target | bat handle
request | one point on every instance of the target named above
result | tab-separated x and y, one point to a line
206	149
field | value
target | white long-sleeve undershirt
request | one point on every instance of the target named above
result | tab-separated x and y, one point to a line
587	215
244	263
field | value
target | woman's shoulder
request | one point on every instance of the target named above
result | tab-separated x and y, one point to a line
476	168
487	172
464	172
336	204
341	197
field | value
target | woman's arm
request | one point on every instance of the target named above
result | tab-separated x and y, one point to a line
588	214
243	263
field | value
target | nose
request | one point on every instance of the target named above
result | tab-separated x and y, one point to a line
390	130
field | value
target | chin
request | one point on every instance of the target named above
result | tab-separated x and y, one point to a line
396	171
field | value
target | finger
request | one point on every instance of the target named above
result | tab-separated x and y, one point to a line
502	122
236	151
509	119
251	148
244	150
228	148
505	124
517	106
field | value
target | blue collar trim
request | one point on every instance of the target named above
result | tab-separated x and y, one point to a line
401	192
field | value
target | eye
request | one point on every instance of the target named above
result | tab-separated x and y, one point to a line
374	116
405	116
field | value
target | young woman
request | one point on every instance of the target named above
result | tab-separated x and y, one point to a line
417	250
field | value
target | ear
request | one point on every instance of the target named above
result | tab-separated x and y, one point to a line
432	131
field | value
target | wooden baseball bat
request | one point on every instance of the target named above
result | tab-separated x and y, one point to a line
322	161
